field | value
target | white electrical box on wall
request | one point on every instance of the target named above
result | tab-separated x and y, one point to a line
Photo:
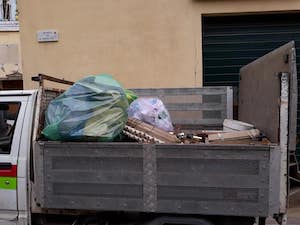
47	35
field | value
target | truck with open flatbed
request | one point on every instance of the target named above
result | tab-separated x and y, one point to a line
46	182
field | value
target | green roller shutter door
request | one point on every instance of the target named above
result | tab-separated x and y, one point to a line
230	42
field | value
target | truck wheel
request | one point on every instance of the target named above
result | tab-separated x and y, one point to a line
92	220
262	221
204	222
39	220
179	221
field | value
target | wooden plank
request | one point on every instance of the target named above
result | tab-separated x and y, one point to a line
237	135
152	131
242	142
42	77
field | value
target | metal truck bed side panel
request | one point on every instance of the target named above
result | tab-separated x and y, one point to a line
195	107
186	179
268	99
90	176
260	91
227	180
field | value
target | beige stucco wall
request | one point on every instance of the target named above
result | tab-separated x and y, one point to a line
143	43
8	38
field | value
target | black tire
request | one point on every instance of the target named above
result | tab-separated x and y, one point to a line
205	222
262	221
179	220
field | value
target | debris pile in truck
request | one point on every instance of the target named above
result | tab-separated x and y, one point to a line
234	132
233	135
235	125
143	132
98	108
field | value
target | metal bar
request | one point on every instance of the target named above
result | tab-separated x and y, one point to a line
229	103
284	110
195	106
274	179
150	179
221	90
41	77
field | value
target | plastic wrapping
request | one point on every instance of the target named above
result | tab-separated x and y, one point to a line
130	95
93	109
152	111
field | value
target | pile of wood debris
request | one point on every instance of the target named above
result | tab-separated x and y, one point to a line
145	133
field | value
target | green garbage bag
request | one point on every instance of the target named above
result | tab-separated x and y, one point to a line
93	109
130	95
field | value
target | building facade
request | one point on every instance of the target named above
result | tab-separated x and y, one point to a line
156	43
10	57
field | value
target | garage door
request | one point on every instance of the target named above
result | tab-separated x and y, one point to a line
230	42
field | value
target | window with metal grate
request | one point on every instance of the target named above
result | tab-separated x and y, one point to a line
8	15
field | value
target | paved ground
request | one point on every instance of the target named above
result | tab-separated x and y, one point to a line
291	221
293	217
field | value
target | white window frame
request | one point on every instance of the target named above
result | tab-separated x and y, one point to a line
12	24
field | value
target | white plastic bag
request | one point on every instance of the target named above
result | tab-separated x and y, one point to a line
152	111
